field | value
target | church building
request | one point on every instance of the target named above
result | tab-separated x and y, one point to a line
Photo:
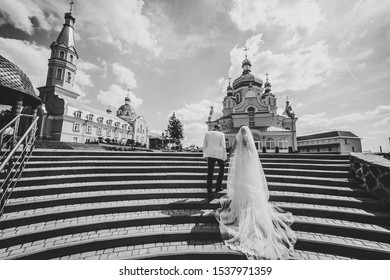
64	118
251	102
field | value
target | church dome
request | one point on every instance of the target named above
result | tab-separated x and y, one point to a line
127	110
246	80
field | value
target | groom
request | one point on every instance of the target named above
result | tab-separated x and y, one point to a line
214	149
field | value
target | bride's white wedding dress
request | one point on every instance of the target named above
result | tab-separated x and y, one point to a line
248	222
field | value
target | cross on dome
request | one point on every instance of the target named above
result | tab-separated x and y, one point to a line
71	5
246	52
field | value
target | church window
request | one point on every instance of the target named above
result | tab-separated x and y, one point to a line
71	58
127	113
75	139
120	112
53	53
251	113
124	126
69	77
270	143
88	129
100	119
76	127
346	141
77	114
90	117
283	143
59	74
99	131
108	133
238	98
117	124
62	54
109	122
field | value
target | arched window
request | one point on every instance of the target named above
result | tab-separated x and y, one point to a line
127	113
283	143
270	143
62	54
251	114
120	112
53	53
71	58
59	74
69	77
238	98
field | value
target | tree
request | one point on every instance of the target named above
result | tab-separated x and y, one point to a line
175	129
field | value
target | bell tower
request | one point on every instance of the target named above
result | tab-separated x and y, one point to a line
62	62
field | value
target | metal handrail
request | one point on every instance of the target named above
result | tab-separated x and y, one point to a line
14	165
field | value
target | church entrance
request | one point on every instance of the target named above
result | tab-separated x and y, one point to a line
258	145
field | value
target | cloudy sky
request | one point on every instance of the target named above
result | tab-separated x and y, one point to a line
331	58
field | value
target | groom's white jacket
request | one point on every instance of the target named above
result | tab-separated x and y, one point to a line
214	145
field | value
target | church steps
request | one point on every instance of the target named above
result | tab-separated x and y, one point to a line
154	191
301	177
68	227
34	202
151	237
40	172
202	163
179	185
33	216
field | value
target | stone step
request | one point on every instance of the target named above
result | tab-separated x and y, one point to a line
68	227
105	177
34	202
70	170
191	233
46	152
55	213
140	163
41	190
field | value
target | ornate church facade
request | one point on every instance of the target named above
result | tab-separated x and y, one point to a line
64	118
251	102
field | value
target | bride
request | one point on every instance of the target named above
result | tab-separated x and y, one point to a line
247	221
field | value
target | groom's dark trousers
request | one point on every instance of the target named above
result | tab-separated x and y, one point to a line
211	164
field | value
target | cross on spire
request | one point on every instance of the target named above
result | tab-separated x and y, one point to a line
267	76
128	92
229	79
246	52
71	5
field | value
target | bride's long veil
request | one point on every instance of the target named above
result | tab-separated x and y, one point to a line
248	222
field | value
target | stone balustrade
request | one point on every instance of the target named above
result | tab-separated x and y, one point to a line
372	173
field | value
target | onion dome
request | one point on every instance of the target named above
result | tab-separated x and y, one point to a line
13	82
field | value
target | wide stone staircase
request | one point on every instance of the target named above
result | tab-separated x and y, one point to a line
145	205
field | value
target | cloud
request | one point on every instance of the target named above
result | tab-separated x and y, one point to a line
297	70
198	111
19	14
29	57
115	97
83	78
299	17
121	25
195	128
124	75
